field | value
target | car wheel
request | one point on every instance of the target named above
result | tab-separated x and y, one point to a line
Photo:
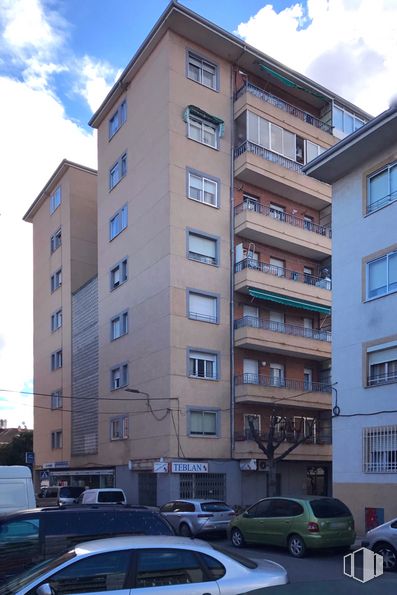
237	538
296	546
389	555
184	530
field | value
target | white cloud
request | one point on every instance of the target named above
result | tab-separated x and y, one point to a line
95	80
349	46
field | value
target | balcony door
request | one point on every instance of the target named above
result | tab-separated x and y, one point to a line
277	212
277	375
251	315
277	267
251	371
308	379
276	321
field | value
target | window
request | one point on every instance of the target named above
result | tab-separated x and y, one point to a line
203	423
118	119
56	439
277	375
118	222
168	567
251	203
118	274
202	71
56	320
382	364
305	427
56	280
203	131
119	376
202	307
56	360
119	326
345	122
277	212
382	188
56	399
203	365
382	275
312	150
202	248
97	573
119	428
380	449
202	189
118	171
55	200
256	421
56	240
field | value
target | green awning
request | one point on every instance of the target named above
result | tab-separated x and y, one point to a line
286	301
289	83
197	111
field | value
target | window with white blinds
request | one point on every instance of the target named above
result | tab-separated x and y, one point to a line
382	364
203	365
203	423
203	307
202	248
382	275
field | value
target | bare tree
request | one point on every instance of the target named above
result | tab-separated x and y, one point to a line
281	430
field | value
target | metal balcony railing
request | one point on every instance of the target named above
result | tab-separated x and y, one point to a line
388	378
248	146
283	105
382	202
270	269
318	438
296	385
280	327
250	205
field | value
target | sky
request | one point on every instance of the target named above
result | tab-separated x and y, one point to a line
58	60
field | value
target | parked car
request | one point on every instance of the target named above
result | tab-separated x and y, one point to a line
16	488
383	541
311	522
191	517
148	565
30	536
55	495
103	496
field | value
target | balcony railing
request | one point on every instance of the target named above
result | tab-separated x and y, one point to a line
283	105
280	327
270	269
318	438
250	205
296	385
250	147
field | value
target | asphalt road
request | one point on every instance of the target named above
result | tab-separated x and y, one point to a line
316	566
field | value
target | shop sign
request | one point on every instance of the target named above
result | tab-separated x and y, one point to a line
160	467
189	467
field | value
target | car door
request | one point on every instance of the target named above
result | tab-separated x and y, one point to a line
105	572
279	521
254	522
168	511
171	571
20	544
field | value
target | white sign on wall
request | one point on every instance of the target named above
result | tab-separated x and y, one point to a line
160	467
187	467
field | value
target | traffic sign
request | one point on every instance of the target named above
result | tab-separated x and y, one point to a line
29	458
44	475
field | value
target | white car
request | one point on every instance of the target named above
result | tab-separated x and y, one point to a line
383	541
144	565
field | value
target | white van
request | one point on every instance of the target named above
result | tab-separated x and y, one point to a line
16	488
103	496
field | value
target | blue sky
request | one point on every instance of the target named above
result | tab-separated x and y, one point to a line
59	58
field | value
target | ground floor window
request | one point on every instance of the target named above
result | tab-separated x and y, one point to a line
202	485
147	489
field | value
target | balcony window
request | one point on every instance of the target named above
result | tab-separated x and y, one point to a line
256	422
382	188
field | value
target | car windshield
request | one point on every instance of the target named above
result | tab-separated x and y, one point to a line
214	507
236	557
329	508
23	579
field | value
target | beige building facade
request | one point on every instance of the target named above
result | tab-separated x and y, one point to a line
214	272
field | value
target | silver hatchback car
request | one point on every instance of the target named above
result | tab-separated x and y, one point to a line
383	541
191	517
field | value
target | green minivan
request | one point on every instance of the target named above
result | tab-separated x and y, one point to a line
310	522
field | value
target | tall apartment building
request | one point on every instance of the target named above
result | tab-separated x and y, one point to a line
214	273
363	171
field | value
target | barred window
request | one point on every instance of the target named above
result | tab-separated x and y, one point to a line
380	449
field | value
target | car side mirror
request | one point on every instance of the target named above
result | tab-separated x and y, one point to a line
246	515
45	589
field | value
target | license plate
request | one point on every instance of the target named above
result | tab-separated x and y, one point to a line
336	525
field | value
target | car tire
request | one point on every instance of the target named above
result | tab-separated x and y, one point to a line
296	546
389	555
237	538
184	530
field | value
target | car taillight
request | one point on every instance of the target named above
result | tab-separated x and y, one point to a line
313	527
204	516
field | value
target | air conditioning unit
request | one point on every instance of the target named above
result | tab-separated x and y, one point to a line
261	465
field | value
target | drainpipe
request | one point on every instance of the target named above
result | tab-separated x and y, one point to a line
232	386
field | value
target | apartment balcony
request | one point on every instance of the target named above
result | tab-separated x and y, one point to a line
319	449
261	389
252	275
250	94
278	174
277	337
263	225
